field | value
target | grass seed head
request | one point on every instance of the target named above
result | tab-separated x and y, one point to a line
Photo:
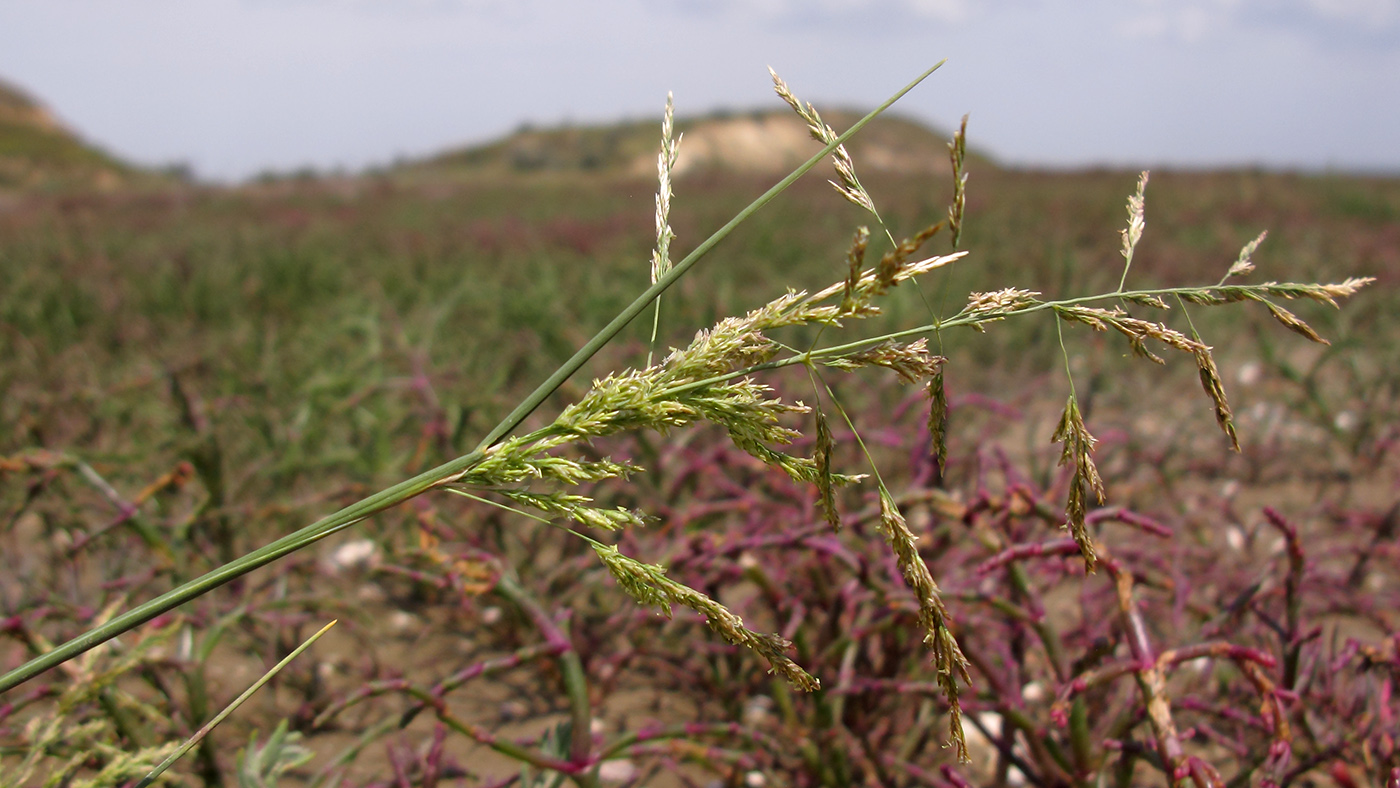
1137	220
957	156
1215	389
648	584
1000	303
938	420
826	487
855	264
1243	265
1077	452
849	185
665	163
1294	323
949	661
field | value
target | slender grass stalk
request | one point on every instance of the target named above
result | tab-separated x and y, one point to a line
229	709
430	479
969	318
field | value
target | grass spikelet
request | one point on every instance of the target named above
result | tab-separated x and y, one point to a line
1329	293
576	508
948	658
1137	331
1137	222
1147	299
1323	293
1243	265
938	420
855	259
999	303
849	187
665	162
1215	389
892	262
661	256
911	361
957	155
1077	452
826	487
1294	323
648	584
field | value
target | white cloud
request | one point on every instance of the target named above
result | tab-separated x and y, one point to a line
948	10
1190	22
1382	13
811	11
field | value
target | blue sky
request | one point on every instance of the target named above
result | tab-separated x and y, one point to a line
234	87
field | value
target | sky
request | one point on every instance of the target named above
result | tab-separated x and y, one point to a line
232	88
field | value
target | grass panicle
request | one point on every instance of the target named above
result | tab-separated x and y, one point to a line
1244	264
1137	222
1215	389
885	601
957	208
648	584
938	419
665	163
1085	483
849	187
948	659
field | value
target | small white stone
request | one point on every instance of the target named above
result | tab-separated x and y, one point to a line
370	593
757	710
491	615
991	721
1033	692
401	621
755	779
1249	373
1346	421
1234	537
359	554
618	771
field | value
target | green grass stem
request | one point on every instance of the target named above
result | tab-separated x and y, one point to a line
427	480
229	709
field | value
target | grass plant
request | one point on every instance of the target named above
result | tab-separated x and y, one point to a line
942	591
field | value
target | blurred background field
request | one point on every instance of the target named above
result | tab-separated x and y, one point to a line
190	371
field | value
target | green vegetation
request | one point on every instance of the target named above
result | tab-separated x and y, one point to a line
37	152
194	373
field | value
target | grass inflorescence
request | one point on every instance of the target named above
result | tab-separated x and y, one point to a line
902	580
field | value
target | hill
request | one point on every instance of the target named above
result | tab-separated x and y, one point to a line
767	141
37	151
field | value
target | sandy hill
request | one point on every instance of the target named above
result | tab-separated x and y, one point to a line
37	151
750	142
